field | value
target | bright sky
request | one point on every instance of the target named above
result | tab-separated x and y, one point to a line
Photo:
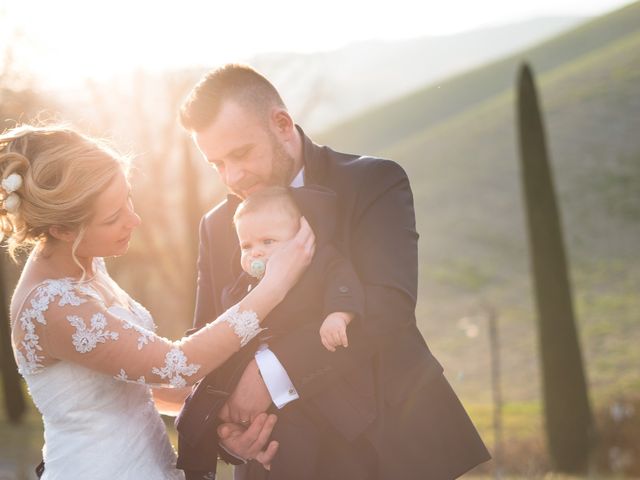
62	40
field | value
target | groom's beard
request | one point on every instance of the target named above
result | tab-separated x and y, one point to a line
281	175
282	165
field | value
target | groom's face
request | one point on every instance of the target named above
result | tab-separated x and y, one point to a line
245	151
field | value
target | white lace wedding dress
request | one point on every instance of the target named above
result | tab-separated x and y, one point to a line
88	353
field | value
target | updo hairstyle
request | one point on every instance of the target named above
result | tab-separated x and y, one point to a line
61	173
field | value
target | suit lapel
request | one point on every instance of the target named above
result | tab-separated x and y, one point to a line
314	166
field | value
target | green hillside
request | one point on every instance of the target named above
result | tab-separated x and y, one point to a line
457	143
394	121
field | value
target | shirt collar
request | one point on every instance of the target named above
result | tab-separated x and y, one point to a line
298	180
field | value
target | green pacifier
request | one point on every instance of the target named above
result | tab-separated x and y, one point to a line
257	268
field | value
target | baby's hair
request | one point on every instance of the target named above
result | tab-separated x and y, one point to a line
271	199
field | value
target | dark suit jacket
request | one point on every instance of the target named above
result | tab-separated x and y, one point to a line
420	430
328	285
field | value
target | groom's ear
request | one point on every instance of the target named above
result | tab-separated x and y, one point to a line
281	122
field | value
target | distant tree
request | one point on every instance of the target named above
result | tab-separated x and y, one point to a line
14	402
19	101
568	416
192	211
169	193
496	391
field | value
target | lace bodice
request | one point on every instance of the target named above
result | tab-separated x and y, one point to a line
88	353
97	325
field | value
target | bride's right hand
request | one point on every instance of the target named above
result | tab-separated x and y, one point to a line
289	261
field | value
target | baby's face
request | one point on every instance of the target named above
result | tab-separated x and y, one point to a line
261	233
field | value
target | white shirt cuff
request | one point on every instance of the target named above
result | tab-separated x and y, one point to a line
275	378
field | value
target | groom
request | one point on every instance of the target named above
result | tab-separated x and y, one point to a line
410	424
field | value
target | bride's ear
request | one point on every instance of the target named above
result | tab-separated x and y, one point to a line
62	233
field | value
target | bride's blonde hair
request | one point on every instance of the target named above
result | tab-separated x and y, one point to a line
62	173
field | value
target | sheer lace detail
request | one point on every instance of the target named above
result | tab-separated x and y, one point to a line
175	366
96	325
24	366
142	314
30	362
245	324
85	339
89	352
145	336
125	378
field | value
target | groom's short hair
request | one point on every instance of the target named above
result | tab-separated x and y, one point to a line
239	83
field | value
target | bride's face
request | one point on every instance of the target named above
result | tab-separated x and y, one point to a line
109	231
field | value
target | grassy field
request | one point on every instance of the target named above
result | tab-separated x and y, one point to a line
387	124
523	444
457	142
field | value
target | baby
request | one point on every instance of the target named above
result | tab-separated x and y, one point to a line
328	296
267	219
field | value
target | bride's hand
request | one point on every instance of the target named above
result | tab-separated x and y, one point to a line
288	262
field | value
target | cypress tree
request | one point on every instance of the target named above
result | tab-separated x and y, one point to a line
14	401
568	418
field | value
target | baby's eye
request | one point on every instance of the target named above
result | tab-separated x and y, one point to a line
245	246
268	241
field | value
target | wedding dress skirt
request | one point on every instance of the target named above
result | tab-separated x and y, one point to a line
89	354
97	427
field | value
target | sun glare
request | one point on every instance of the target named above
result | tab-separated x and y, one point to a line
66	41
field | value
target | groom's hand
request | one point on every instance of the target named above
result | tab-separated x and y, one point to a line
249	443
249	399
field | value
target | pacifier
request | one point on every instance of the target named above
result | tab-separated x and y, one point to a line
257	268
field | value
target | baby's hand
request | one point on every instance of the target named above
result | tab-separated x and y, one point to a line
333	331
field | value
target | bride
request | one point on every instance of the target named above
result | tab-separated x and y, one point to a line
86	349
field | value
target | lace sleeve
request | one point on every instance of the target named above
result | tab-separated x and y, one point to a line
66	321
